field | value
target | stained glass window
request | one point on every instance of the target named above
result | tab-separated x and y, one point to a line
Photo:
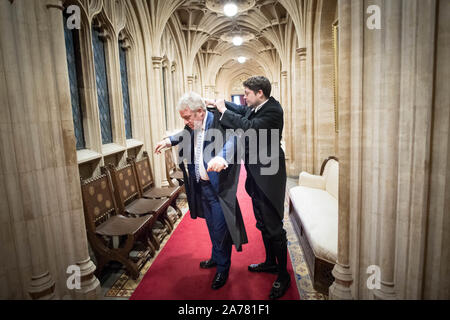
125	92
73	63
102	87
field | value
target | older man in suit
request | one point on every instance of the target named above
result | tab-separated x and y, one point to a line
211	180
263	114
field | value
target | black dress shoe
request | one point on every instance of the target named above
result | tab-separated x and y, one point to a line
263	267
219	280
208	264
280	287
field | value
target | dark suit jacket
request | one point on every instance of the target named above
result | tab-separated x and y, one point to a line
270	116
224	183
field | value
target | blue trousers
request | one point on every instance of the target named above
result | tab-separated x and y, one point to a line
217	227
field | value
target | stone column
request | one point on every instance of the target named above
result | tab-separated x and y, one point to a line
302	120
21	159
388	164
436	282
190	81
398	134
288	137
298	126
178	123
287	129
308	92
90	285
275	89
340	289
157	119
169	95
209	91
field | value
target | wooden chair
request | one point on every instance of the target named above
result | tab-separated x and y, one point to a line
129	199
144	174
172	172
112	236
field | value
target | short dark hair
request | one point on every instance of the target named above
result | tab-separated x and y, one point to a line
259	83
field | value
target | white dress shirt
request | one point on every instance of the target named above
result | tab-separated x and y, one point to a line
260	106
201	167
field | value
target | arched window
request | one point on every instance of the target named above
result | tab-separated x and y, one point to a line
73	64
125	92
102	86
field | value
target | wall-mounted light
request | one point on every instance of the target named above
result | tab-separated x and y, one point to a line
230	9
242	59
237	40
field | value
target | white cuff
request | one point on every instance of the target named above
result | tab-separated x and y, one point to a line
222	159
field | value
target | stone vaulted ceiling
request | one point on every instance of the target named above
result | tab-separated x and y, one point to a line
204	33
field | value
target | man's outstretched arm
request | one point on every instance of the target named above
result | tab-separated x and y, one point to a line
170	141
223	105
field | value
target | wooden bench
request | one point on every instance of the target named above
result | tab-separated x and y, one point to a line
313	209
144	174
113	236
130	201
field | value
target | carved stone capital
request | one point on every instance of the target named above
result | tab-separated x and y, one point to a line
125	42
157	62
301	53
101	28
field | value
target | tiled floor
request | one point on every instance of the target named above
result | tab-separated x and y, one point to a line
116	285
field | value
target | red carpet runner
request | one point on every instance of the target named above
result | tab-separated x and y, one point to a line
176	274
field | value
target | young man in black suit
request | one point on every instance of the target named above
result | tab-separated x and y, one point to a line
267	190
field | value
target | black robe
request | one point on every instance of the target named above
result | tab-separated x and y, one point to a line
270	116
224	183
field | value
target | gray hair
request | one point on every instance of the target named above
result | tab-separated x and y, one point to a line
192	101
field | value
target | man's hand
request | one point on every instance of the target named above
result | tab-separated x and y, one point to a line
162	144
217	164
220	105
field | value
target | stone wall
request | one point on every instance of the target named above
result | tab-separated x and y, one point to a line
393	150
